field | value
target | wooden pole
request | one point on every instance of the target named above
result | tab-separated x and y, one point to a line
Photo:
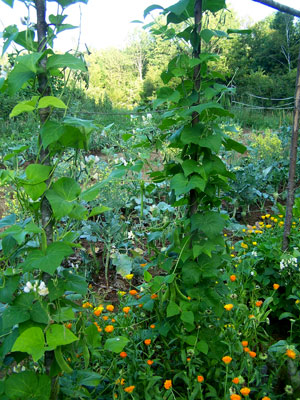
279	7
293	164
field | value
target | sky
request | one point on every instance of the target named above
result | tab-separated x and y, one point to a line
107	23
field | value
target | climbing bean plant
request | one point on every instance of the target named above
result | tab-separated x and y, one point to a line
37	294
198	178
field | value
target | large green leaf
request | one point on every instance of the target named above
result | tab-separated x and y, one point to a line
31	341
191	274
28	385
179	183
91	193
13	315
59	335
8	286
67	3
37	173
151	8
75	283
48	261
51	101
24	106
179	7
35	191
213	5
9	34
116	344
26	40
210	222
192	134
65	61
9	2
172	309
51	132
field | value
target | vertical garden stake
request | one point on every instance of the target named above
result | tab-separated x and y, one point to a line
293	164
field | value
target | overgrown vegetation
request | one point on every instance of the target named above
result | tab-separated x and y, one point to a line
142	220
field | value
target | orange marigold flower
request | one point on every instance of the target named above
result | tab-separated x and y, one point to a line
122	381
110	307
245	391
150	362
126	310
233	278
252	354
246	349
109	328
143	265
97	312
68	326
235	397
168	384
147	342
291	354
133	292
275	286
258	303
227	359
154	296
245	343
266	398
152	326
228	307
141	305
200	378
129	389
113	320
123	354
188	359
236	380
105	318
251	316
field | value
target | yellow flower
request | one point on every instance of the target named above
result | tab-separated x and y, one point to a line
168	384
268	226
267	215
280	216
126	310
291	354
121	293
244	245
98	310
263	217
129	277
110	307
87	305
109	328
228	307
129	389
255	243
227	359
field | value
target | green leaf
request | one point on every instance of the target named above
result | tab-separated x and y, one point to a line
9	35
99	210
75	283
92	336
210	222
35	191
26	40
191	134
63	314
37	173
51	132
48	261
9	2
151	8
172	309
179	183
189	166
24	106
123	264
207	34
88	378
191	273
240	31
65	61
59	335
213	5
187	316
67	3
28	385
31	341
231	144
8	220
179	7
8	286
202	346
116	344
91	193
51	101
147	276
67	188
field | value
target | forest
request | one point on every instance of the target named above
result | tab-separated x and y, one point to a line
150	208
